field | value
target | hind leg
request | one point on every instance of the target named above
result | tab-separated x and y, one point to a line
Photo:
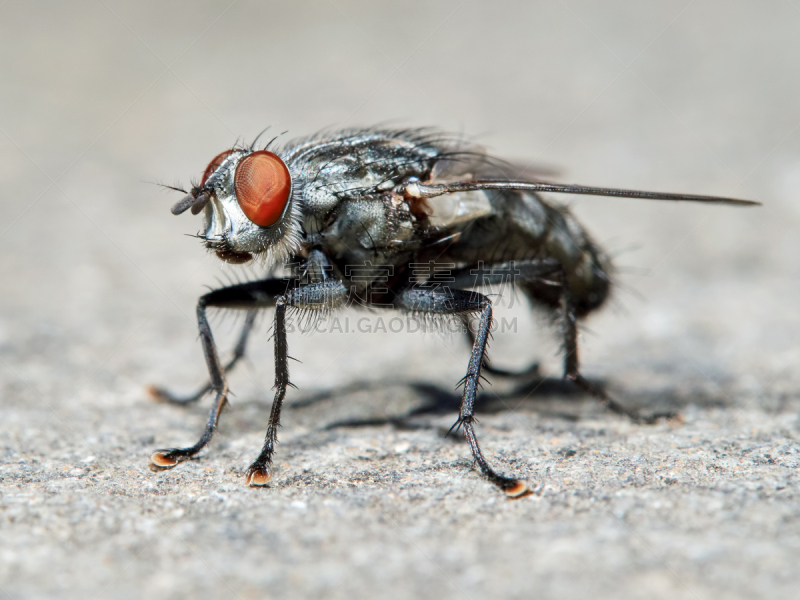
572	372
544	280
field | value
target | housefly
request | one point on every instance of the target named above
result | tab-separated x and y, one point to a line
354	211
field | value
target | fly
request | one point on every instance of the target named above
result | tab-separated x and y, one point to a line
354	211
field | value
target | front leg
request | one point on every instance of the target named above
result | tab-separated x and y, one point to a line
249	296
321	296
447	301
164	395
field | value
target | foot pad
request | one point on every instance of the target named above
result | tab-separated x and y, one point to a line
162	460
258	477
520	489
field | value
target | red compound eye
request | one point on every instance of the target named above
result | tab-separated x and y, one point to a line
214	165
262	185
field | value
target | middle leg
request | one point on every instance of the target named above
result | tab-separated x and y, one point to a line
505	274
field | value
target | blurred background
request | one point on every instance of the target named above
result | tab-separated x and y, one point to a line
100	100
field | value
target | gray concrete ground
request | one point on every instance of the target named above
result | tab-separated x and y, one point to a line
98	99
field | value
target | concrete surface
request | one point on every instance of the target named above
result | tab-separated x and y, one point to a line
99	99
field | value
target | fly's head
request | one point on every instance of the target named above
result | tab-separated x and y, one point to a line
249	206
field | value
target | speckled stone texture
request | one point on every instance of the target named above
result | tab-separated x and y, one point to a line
370	499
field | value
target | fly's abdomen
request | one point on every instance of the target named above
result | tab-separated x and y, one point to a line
520	226
586	267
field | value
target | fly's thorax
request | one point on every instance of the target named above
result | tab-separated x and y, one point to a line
369	229
337	192
322	192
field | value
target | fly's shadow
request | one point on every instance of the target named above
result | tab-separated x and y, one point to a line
405	405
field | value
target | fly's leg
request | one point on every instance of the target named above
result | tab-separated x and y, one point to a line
322	296
550	272
460	302
571	362
531	371
481	275
250	296
168	458
164	395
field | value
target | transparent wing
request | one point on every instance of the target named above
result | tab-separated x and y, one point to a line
451	209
